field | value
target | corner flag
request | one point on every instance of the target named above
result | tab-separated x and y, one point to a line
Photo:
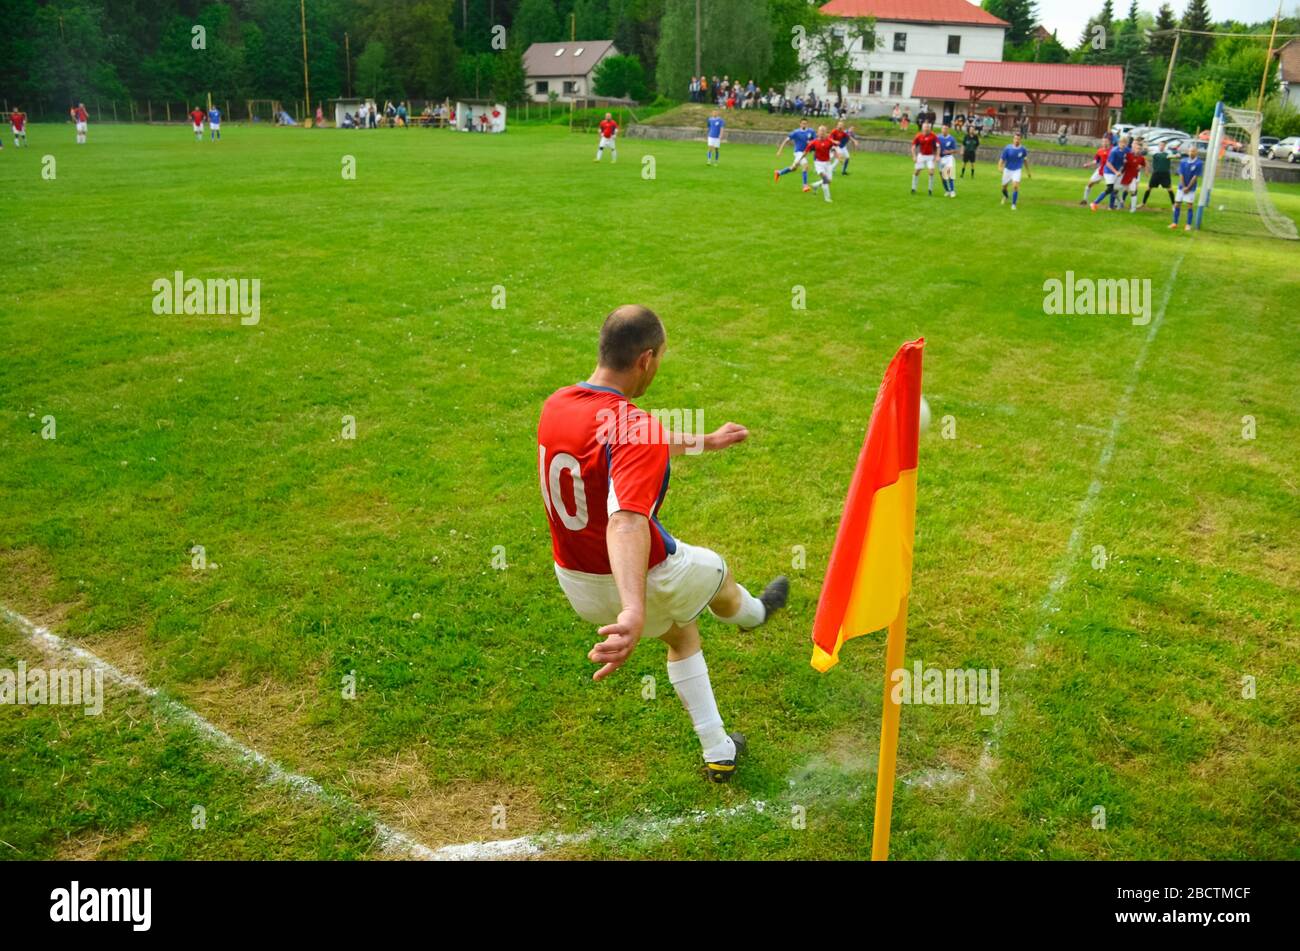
869	575
870	571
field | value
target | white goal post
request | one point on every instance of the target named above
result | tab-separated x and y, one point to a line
1231	160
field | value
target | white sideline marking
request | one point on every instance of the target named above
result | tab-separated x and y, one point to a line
390	840
1051	602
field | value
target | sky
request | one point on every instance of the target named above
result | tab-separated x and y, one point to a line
1069	17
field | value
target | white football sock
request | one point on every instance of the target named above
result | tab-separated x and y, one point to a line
752	613
690	678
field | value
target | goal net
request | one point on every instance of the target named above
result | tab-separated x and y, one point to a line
1234	189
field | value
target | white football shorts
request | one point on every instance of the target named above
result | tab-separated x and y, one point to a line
1182	196
824	168
714	143
947	163
1011	175
677	590
924	161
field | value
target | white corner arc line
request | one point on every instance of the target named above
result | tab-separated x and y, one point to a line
1065	567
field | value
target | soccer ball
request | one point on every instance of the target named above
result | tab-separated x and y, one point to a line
925	415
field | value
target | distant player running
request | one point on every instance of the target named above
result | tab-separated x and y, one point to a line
716	125
825	154
18	122
1134	162
1014	160
1159	174
800	137
1111	173
608	138
82	118
970	144
947	143
214	124
924	146
840	137
846	149
604	467
1099	169
1190	170
196	117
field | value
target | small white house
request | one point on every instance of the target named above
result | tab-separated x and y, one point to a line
1288	70
914	35
564	69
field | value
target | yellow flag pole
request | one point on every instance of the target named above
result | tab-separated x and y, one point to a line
895	647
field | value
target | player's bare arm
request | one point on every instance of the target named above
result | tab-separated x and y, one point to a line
726	435
628	539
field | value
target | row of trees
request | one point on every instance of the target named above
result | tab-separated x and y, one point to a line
58	51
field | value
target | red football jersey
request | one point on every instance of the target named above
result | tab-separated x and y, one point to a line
80	114
1133	163
1102	154
197	116
607	128
926	141
821	149
838	136
18	120
598	454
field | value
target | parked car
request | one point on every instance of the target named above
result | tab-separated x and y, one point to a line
1266	142
1286	149
1120	130
1229	143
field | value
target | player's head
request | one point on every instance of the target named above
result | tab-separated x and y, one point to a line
1127	142
1192	150
803	123
1015	137
821	132
1140	144
632	341
609	115
944	128
925	126
840	124
1160	146
715	113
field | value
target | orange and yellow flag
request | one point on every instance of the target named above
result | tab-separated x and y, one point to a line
870	572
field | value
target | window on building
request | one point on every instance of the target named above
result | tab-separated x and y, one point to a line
895	84
542	86
570	86
954	44
875	82
900	42
855	84
560	51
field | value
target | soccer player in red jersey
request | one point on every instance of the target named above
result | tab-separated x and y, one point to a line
608	138
604	468
1134	162
80	117
196	116
924	146
18	122
1098	172
824	152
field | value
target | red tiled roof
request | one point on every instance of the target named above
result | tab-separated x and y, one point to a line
1075	78
946	84
914	11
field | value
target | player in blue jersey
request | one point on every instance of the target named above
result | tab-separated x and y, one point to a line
801	137
214	124
1190	170
947	161
1112	170
716	126
1014	159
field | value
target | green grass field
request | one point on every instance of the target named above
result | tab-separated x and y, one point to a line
1121	687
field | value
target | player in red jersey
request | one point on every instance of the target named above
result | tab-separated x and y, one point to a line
80	117
196	116
608	138
1099	168
924	146
1134	162
825	154
604	469
18	122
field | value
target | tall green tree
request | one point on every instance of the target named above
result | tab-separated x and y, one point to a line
1195	47
831	46
1162	43
536	21
736	41
1022	15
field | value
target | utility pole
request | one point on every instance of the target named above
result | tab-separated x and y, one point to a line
697	37
1268	59
306	81
1169	74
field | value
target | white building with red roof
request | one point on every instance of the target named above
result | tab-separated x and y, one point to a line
914	35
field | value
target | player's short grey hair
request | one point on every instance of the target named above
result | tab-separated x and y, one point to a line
628	332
